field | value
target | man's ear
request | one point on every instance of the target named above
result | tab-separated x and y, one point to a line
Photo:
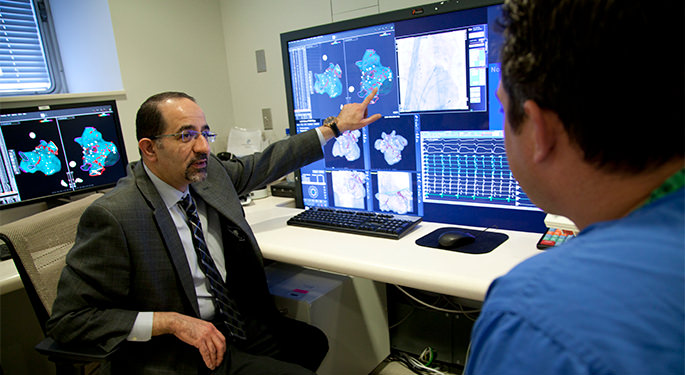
545	130
147	149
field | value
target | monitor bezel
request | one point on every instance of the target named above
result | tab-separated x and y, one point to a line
57	198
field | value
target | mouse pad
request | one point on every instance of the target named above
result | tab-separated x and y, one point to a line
485	241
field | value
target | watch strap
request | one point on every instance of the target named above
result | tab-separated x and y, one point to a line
331	122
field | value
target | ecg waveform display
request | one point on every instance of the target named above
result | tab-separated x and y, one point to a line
469	170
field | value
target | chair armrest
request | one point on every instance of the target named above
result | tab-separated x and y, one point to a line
57	352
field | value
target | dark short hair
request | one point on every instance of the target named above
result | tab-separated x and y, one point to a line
611	69
149	121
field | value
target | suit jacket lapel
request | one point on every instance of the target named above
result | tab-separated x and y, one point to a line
218	198
215	199
167	229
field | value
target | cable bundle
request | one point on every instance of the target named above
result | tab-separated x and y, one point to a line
419	365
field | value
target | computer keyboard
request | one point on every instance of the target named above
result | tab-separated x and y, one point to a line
357	222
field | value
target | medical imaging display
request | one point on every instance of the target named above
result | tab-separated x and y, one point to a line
54	151
438	152
97	153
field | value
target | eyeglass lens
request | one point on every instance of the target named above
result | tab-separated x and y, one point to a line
189	135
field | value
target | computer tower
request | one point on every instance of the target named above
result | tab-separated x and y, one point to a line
351	312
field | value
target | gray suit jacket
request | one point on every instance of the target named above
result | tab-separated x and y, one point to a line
128	258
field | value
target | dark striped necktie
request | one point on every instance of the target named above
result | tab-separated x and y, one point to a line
223	303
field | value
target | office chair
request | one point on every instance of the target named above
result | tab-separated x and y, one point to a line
38	245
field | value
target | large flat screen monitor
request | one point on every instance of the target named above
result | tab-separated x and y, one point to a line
54	151
438	152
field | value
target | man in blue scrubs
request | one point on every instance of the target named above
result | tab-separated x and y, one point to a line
592	92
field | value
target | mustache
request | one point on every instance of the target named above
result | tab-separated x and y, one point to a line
198	157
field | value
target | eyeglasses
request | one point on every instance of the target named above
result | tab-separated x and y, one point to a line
190	135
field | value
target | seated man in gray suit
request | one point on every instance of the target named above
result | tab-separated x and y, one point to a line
167	267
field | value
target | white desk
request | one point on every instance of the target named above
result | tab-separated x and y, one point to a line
392	261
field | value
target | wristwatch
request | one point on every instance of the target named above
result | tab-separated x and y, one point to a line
331	122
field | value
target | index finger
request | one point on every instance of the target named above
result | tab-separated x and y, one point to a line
370	97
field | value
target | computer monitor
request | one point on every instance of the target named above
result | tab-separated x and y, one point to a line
438	152
54	151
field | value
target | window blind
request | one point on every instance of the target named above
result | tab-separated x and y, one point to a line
23	65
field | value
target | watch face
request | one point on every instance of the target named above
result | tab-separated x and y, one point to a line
329	120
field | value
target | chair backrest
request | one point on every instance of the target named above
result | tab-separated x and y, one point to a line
39	245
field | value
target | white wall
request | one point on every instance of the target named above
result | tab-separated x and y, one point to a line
89	58
252	25
175	45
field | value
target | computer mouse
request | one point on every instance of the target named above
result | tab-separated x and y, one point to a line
454	239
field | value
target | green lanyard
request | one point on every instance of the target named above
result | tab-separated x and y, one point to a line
672	184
